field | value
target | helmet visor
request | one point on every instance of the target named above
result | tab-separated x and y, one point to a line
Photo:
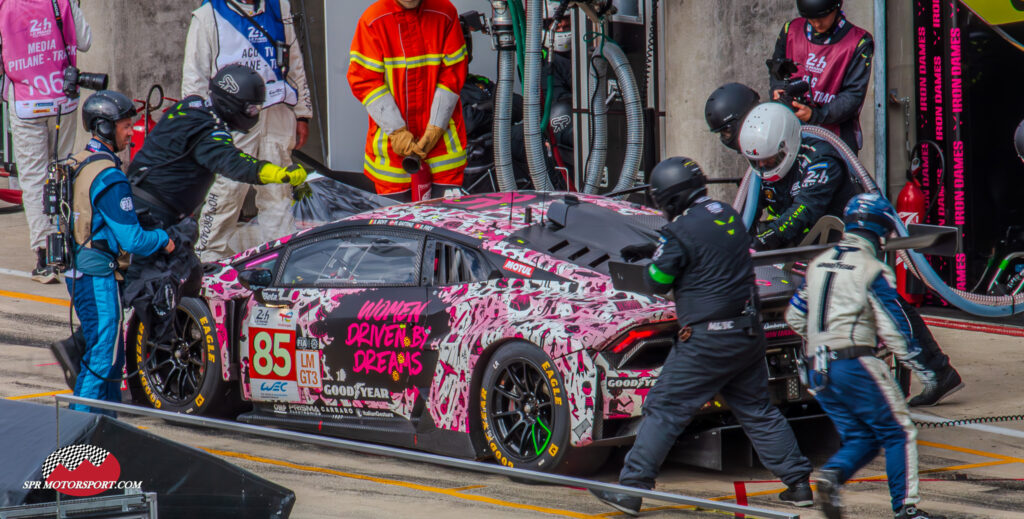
766	164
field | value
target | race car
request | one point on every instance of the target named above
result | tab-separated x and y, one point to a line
482	326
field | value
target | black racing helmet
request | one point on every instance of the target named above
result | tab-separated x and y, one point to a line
101	112
726	108
237	93
817	8
1018	140
676	183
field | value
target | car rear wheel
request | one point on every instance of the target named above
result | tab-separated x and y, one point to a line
524	413
181	372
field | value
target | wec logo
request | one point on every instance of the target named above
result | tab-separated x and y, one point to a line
273	387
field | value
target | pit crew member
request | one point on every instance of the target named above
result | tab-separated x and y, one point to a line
703	258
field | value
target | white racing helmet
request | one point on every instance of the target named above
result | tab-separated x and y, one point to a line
770	140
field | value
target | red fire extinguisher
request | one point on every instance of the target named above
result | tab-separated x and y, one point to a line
422	179
145	122
911	206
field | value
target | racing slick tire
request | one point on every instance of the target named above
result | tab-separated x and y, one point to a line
524	414
182	372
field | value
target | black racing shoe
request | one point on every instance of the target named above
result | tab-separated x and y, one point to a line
948	382
913	512
828	494
624	503
45	275
68	353
798	494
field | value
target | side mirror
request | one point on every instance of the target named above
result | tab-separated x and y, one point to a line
255	279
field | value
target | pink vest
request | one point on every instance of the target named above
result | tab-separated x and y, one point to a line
822	66
34	55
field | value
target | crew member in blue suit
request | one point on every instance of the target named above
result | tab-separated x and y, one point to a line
848	311
107	233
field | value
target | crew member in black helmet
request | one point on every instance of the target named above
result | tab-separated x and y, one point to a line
174	170
725	109
703	257
176	167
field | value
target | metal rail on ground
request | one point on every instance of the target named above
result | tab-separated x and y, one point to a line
423	457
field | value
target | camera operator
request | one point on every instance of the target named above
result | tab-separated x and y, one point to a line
834	57
35	56
106	231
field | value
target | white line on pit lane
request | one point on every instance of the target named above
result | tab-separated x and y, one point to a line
976	426
18	273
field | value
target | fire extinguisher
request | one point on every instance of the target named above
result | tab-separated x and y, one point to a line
145	123
912	206
421	178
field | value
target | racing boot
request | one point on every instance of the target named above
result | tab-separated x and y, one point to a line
68	353
828	493
624	503
913	512
946	383
798	494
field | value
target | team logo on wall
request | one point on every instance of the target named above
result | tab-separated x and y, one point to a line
81	471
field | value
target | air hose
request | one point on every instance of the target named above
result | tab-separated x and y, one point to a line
503	23
977	304
532	105
599	112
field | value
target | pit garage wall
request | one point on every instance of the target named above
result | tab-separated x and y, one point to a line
708	44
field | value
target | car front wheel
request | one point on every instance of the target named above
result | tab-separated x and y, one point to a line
181	372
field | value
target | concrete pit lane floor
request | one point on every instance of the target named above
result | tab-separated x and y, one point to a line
975	471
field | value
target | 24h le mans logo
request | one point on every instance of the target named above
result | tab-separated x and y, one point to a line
81	470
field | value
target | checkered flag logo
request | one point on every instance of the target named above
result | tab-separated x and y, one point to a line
72	456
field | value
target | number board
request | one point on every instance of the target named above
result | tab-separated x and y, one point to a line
272	368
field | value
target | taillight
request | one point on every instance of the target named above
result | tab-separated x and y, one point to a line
633	337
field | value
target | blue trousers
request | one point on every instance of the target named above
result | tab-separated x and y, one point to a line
97	301
868	410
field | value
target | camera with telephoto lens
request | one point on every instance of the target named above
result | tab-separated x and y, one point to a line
75	79
57	202
782	69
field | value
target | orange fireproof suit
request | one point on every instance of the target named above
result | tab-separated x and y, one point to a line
407	67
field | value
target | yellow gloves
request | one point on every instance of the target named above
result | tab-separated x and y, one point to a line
274	174
403	142
430	138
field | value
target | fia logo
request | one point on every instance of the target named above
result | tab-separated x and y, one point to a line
274	388
39	28
815	64
228	84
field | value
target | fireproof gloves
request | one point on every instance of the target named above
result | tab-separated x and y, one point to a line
430	138
274	174
633	253
404	142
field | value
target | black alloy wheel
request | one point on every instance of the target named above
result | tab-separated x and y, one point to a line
522	410
175	364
